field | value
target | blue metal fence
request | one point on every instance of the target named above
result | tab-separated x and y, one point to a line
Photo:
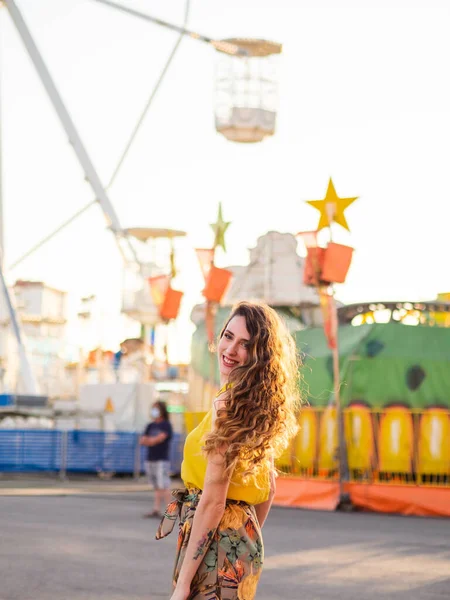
28	450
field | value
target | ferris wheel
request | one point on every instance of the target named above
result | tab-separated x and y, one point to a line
245	112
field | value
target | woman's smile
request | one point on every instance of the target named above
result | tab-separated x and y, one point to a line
229	362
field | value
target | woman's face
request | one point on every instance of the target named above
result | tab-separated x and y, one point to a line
233	347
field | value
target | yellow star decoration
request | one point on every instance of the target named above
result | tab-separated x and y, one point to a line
219	228
332	208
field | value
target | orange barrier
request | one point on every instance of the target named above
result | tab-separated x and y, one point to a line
401	499
307	493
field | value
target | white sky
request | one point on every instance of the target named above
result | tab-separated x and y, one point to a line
364	98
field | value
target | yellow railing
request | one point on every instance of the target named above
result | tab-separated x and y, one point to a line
394	445
398	445
313	452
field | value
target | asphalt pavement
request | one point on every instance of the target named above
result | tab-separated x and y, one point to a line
87	540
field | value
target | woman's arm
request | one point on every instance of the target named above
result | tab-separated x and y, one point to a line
208	515
262	510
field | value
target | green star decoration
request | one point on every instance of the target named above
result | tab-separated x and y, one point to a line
219	228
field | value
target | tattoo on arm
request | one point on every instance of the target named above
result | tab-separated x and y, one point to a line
203	544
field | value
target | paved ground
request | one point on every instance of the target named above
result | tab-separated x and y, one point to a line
86	540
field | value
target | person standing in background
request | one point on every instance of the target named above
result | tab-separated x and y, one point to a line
157	438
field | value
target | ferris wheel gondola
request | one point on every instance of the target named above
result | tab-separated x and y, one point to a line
246	81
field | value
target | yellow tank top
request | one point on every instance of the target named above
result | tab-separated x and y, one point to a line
193	468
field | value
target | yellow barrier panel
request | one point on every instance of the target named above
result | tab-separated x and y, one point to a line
396	441
284	463
434	444
360	440
305	444
327	462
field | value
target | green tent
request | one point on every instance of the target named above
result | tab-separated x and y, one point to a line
380	365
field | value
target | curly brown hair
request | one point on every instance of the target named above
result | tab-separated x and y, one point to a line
260	412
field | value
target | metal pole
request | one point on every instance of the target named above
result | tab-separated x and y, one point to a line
268	270
337	398
28	379
137	457
124	153
137	453
340	432
66	121
222	46
51	235
210	322
344	500
2	245
4	328
63	465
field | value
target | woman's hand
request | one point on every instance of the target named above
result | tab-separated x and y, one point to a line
180	592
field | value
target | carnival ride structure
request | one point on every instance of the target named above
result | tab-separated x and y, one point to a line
245	112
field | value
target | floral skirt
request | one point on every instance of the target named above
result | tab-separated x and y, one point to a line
232	564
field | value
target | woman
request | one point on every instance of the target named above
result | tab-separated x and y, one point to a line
228	464
157	437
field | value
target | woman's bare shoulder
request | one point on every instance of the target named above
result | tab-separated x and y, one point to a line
219	403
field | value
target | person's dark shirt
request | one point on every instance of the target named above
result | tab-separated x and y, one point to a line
159	451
